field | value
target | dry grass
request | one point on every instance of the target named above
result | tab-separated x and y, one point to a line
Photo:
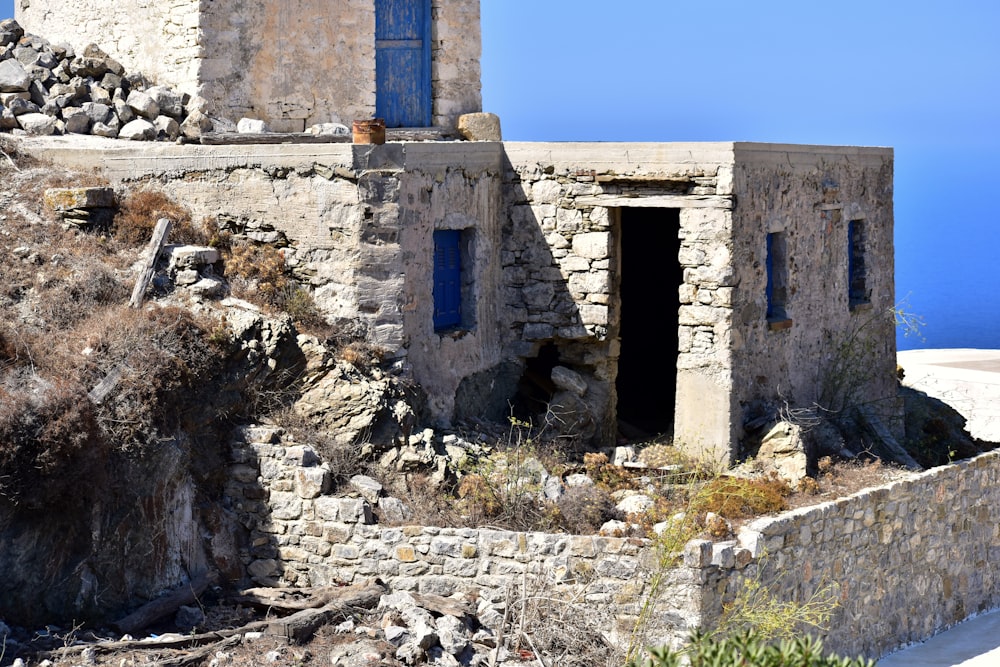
138	213
738	498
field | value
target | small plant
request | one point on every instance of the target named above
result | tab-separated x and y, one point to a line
257	272
747	649
134	223
739	498
756	609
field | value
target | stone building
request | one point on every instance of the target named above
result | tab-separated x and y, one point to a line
697	288
293	64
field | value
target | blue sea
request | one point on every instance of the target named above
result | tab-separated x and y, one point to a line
947	237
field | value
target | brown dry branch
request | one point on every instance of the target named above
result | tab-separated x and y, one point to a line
299	626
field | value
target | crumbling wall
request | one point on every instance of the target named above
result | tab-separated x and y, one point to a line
822	349
901	561
355	223
300	535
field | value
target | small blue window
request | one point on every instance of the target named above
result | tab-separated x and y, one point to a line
447	279
857	275
777	277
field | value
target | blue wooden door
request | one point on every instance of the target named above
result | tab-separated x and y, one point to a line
447	279
403	62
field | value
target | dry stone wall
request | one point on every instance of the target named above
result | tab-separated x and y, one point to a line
903	561
299	535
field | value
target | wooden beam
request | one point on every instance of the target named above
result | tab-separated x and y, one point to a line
659	201
166	605
149	261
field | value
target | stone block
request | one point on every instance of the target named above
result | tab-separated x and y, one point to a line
592	245
311	482
327	508
480	127
698	553
355	510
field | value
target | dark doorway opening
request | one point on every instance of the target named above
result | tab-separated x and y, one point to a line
649	280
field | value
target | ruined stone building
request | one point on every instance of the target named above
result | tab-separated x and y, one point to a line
684	287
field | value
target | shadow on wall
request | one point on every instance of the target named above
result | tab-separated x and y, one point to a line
550	376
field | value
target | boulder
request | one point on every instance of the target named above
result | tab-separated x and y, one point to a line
167	128
10	32
143	105
195	125
251	126
37	123
138	130
170	102
783	450
480	127
569	380
76	120
13	77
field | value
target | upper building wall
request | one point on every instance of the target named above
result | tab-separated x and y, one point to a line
822	345
292	64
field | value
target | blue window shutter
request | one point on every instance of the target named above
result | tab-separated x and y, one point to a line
403	62
447	279
770	275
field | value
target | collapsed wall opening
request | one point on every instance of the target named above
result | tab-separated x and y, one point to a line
535	387
649	277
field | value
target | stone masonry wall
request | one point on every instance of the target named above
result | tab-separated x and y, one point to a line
828	351
356	223
300	536
904	560
561	264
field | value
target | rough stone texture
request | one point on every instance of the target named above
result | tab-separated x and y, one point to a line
783	450
262	59
326	539
560	254
905	560
480	127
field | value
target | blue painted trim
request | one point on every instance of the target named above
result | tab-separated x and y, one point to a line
426	83
447	279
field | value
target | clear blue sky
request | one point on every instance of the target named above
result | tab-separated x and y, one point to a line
923	77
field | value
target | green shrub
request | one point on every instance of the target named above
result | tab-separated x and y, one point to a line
747	649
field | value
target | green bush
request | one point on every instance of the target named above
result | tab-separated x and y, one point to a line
747	649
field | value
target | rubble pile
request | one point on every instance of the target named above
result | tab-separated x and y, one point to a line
50	89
